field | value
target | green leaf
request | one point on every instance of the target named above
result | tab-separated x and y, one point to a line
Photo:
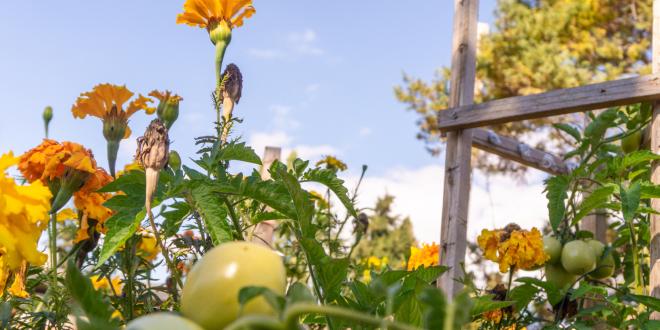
124	202
586	288
131	183
410	311
522	295
556	188
174	217
649	190
238	151
299	292
251	292
92	302
597	128
554	294
630	201
271	193
486	303
266	215
435	301
429	274
597	199
121	226
211	208
648	301
641	156
302	201
336	185
569	129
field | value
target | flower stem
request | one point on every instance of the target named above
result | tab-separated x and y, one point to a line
293	313
220	48
113	148
508	288
52	240
163	250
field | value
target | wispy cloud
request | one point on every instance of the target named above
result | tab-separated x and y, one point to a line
265	54
364	131
296	44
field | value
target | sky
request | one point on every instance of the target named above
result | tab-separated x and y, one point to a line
318	79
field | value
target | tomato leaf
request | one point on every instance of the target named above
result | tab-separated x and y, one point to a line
97	310
522	295
238	151
251	292
648	301
302	201
299	292
597	199
554	294
630	201
486	303
436	303
121	226
556	188
174	217
336	185
211	208
569	129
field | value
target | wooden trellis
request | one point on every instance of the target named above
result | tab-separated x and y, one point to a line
462	120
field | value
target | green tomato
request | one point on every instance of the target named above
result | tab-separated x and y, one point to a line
552	247
578	258
597	247
631	142
210	294
559	277
604	268
162	321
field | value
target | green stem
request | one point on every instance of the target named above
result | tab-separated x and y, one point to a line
164	252
293	313
220	48
52	240
635	255
255	322
508	288
113	149
129	252
234	220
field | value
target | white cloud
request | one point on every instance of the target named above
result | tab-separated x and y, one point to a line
418	194
265	53
365	131
260	140
282	118
298	43
312	152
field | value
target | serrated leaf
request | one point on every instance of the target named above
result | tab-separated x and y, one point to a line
213	212
648	301
410	311
271	193
522	295
638	157
302	201
630	201
435	301
586	288
174	217
299	292
121	226
336	185
246	294
569	129
556	192
238	151
486	303
597	199
131	183
429	274
554	294
92	302
267	215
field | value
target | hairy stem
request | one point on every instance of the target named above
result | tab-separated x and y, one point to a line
52	241
293	313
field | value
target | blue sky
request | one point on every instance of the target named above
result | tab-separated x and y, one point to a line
318	77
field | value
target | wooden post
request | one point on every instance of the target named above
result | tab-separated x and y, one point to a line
459	147
265	230
655	174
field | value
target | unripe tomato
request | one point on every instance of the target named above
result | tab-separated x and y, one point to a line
631	142
210	294
552	247
597	247
559	277
604	268
162	321
578	258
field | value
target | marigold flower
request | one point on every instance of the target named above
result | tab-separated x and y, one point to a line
17	289
168	107
494	316
23	216
50	160
106	101
427	256
332	163
88	200
209	13
101	283
148	247
320	201
66	214
518	249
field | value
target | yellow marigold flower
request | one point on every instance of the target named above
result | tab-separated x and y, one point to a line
17	288
50	160
320	201
101	283
332	163
518	249
23	216
66	214
427	256
209	13
488	242
148	247
88	200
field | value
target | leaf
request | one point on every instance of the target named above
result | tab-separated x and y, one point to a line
238	151
251	292
522	295
429	274
648	301
266	215
597	128
271	193
211	208
131	183
556	188
554	294
121	226
435	301
92	302
174	217
649	190
297	293
486	303
410	311
634	158
304	207
569	129
597	199
124	202
336	185
586	288
630	201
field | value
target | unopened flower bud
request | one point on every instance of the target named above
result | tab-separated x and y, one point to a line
174	160
168	107
47	116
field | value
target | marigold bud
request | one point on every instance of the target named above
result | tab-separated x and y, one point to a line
47	117
174	160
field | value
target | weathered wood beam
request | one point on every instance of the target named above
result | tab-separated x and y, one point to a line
456	193
655	172
522	153
264	232
553	103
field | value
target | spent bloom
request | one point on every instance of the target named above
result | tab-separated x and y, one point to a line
513	248
428	255
332	163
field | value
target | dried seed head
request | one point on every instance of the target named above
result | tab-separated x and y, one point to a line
361	223
153	148
508	230
232	85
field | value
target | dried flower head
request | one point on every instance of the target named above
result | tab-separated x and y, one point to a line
232	83
152	153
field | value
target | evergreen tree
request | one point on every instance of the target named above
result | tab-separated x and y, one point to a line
387	235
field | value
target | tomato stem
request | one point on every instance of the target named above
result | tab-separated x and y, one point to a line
293	313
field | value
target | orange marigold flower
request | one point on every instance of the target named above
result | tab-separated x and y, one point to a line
50	160
88	200
493	316
148	247
428	255
208	13
521	249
